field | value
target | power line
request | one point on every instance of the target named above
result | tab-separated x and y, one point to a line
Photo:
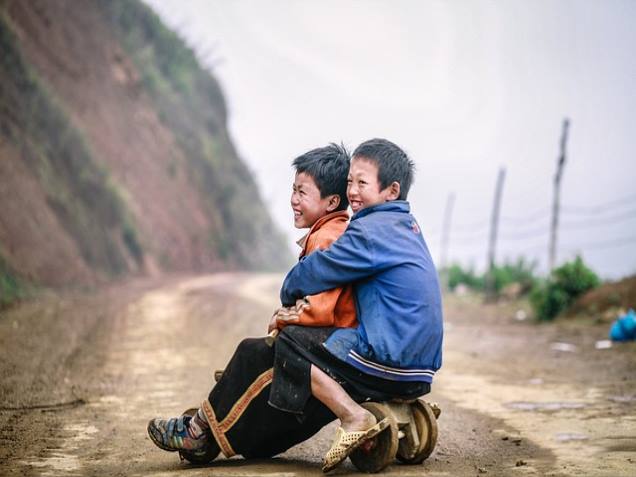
614	243
598	245
597	209
539	232
532	233
629	214
545	212
542	230
473	226
471	233
533	217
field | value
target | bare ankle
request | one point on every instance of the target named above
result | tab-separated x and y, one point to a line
358	420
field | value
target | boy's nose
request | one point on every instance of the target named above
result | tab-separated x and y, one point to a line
294	198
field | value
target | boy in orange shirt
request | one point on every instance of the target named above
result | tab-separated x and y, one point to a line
238	417
318	204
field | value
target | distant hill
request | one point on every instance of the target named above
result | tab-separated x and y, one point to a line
114	152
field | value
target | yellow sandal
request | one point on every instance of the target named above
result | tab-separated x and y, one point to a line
346	442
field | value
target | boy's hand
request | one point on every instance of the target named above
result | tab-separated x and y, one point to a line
273	323
288	314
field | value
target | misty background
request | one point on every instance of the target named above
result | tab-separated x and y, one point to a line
464	87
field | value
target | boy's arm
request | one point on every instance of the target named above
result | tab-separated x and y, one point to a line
321	308
348	259
320	311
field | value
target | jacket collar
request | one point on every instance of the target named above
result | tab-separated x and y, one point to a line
391	206
302	243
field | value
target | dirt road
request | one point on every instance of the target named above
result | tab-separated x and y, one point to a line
82	374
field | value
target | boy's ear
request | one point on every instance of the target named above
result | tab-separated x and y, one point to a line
394	191
334	202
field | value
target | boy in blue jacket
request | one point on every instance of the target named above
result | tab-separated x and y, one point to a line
397	347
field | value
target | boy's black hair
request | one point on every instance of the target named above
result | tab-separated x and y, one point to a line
328	166
393	163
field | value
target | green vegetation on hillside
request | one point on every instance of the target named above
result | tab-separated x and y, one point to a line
78	190
12	288
191	104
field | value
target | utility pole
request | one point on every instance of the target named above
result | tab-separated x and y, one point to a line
448	215
492	242
557	189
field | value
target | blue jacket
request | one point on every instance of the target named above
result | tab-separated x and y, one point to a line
398	301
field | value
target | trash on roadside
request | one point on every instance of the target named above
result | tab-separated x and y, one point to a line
570	436
627	398
521	315
461	290
549	406
603	344
565	347
624	328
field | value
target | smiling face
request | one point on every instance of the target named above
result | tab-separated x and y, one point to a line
363	185
306	202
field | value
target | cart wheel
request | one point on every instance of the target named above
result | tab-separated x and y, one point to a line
201	457
377	453
426	425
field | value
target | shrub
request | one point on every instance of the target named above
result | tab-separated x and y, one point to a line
456	275
520	272
565	283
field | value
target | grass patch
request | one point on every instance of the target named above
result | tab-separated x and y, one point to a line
12	288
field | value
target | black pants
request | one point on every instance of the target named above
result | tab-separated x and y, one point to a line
298	347
263	404
253	428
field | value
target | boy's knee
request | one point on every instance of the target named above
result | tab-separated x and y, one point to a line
254	349
249	345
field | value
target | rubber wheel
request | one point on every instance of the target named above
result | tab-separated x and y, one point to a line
204	456
379	452
426	425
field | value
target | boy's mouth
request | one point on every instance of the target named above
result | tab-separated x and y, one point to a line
297	213
355	205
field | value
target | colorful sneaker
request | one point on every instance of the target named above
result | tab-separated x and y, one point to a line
172	435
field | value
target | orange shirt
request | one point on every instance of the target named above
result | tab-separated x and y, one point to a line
332	307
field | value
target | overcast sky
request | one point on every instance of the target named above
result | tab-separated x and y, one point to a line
465	87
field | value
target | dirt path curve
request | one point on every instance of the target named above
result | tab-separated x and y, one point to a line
81	376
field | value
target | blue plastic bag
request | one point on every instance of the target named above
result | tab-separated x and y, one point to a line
624	329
